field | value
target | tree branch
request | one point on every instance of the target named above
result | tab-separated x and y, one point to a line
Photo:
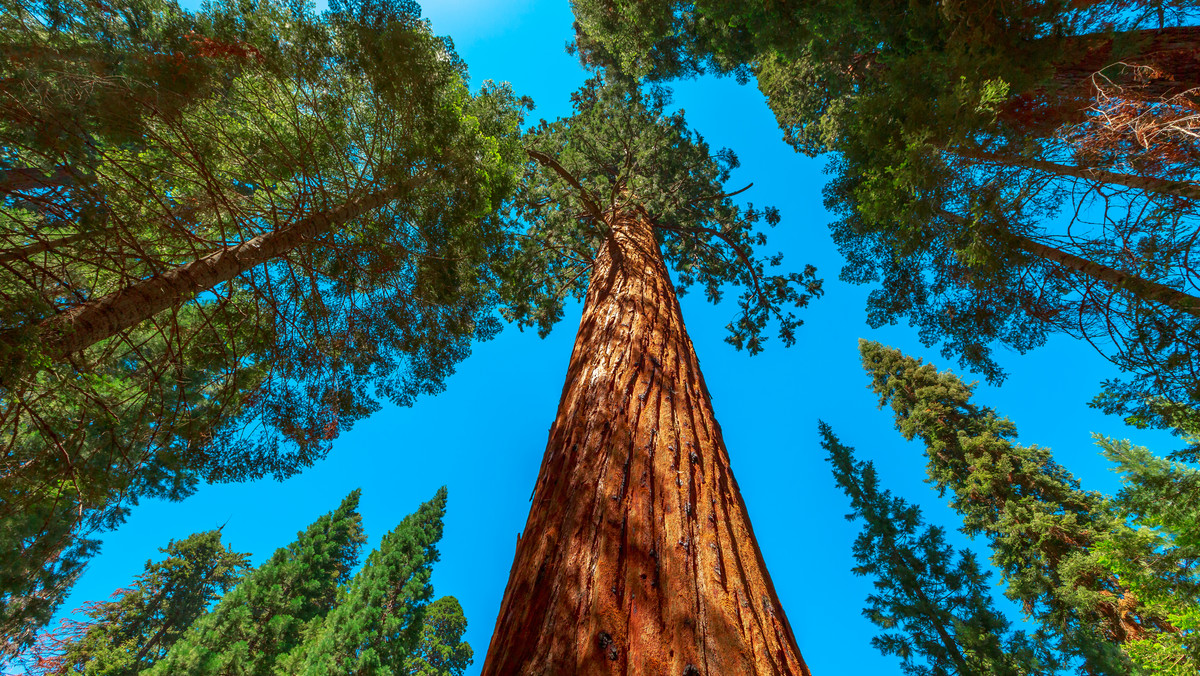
567	176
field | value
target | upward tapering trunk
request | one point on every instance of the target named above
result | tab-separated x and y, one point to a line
638	556
1179	188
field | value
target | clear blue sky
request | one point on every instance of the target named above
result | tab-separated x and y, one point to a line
484	437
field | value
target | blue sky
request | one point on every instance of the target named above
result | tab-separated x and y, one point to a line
484	437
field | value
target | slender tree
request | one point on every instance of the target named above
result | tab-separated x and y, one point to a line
141	623
266	614
441	650
226	237
1044	529
937	600
378	621
638	555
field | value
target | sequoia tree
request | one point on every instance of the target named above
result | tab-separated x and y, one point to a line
638	556
226	236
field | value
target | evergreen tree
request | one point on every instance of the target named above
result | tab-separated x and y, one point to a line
267	613
1043	528
938	600
441	650
227	236
377	623
135	629
638	556
1160	561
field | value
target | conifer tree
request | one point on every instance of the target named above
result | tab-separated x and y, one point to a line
638	556
1160	561
123	636
937	599
1042	527
441	650
267	613
377	623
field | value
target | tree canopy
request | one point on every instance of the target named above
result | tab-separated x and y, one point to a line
622	151
1002	171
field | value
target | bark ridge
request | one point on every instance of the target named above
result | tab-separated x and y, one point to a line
638	556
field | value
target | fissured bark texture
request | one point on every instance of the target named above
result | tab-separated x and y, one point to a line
638	557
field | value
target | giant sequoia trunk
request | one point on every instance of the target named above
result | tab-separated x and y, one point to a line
1170	53
638	556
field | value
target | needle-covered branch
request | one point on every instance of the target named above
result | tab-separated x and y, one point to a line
622	143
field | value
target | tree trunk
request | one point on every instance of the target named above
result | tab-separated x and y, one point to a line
104	317
638	556
1144	289
1185	189
1172	52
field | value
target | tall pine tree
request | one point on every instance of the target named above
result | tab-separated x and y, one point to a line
933	603
378	621
266	614
1042	527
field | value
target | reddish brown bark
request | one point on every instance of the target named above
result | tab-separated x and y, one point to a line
638	556
1173	53
1159	64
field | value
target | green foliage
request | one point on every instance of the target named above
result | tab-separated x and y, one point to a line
631	157
377	623
299	613
137	628
1160	562
1043	529
963	132
939	601
441	650
136	138
267	613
